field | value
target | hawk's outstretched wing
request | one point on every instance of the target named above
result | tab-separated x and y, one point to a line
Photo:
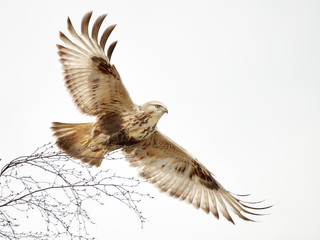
95	84
174	170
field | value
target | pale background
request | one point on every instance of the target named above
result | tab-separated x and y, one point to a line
241	80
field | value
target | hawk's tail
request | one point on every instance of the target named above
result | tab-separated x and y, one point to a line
75	139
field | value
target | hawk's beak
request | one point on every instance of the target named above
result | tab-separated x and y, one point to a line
165	110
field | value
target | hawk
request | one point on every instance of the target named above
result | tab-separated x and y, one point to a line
97	90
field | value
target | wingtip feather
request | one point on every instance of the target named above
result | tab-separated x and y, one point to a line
106	35
96	27
111	48
85	23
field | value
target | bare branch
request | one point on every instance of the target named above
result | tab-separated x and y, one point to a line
50	185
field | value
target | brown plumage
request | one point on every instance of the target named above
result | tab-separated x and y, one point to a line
97	90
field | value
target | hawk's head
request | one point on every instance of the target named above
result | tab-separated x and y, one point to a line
154	108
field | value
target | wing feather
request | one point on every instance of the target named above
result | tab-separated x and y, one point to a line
205	200
213	201
223	208
106	35
187	190
192	193
173	170
85	25
111	48
96	28
198	196
85	31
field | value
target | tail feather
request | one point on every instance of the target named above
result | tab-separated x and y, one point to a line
75	139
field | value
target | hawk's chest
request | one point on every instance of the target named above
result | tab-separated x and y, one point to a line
141	128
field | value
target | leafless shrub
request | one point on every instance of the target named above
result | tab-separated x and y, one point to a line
50	185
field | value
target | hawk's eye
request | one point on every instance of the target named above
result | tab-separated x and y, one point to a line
158	106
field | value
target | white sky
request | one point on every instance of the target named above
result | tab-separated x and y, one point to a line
241	80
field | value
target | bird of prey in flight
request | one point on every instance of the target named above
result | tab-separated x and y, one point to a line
97	90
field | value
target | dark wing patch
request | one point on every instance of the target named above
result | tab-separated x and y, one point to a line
204	175
103	66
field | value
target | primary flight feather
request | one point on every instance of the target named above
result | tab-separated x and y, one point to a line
97	90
